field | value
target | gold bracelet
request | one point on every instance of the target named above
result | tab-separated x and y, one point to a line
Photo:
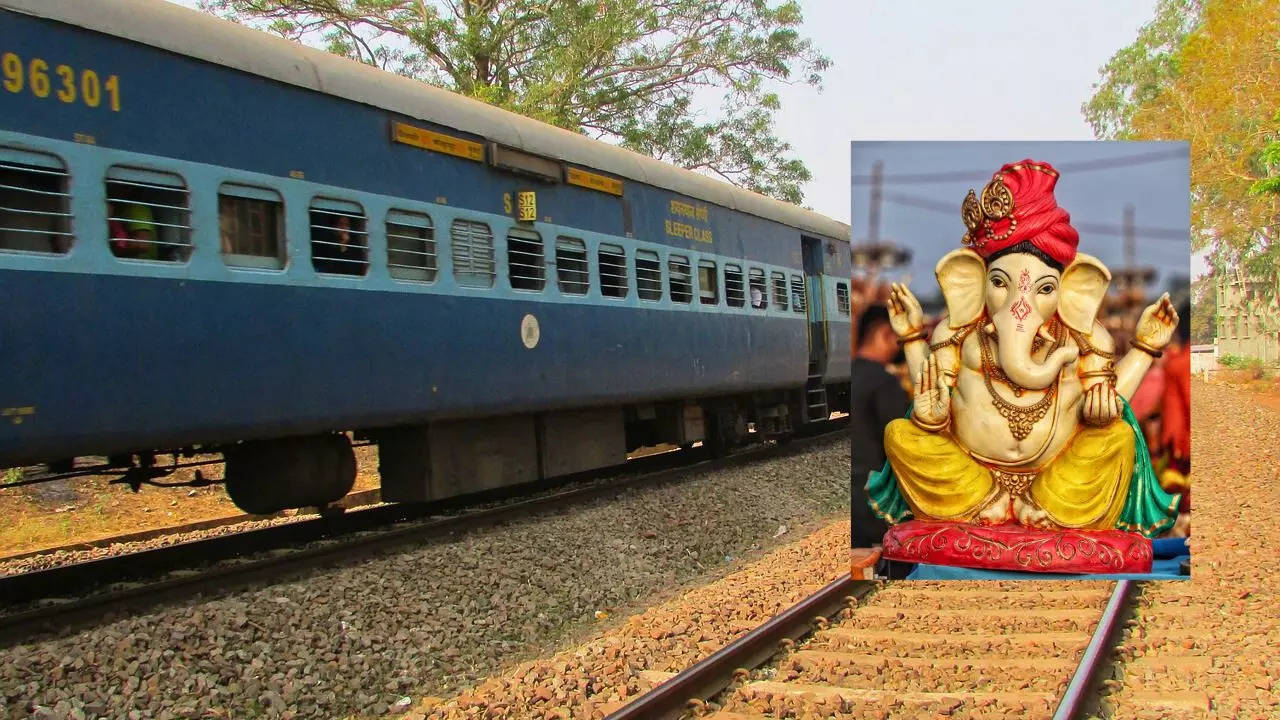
927	426
1146	348
1099	373
917	335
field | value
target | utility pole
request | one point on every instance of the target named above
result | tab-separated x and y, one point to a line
1130	251
873	213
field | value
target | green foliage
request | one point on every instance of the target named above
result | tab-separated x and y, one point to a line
623	71
1269	160
1136	74
11	476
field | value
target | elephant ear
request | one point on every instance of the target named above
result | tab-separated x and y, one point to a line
1083	286
961	275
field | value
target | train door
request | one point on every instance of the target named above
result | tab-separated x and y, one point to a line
815	390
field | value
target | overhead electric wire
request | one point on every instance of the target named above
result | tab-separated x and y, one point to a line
977	175
1153	233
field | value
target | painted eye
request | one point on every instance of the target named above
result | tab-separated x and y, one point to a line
1046	290
997	281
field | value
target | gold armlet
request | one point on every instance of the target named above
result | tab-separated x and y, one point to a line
917	335
1146	348
927	427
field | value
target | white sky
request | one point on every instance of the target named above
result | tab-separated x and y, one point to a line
945	70
942	70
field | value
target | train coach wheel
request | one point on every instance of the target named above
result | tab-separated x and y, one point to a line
267	476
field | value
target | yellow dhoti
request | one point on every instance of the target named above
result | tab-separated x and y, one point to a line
1085	486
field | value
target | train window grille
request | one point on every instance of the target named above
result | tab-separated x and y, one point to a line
680	279
35	204
758	290
251	226
733	290
526	260
571	266
842	298
799	300
613	270
648	275
779	290
339	241
708	288
472	253
148	215
411	246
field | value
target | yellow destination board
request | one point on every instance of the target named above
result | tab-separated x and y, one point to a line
437	142
585	179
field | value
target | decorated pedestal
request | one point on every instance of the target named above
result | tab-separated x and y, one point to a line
1015	547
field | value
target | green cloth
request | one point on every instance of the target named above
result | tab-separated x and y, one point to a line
1148	509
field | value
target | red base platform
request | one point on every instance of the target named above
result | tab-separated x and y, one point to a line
1014	547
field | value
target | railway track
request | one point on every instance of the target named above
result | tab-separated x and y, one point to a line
910	649
76	594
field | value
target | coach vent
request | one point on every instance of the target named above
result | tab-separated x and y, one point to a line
648	275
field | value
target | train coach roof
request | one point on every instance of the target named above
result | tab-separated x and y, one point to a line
199	35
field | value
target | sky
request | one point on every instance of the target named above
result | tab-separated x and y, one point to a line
941	70
1098	179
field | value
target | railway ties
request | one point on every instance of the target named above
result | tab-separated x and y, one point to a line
1022	649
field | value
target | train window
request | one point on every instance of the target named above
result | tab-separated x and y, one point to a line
571	266
799	301
613	270
755	283
147	215
339	241
472	253
842	298
411	246
526	263
251	223
733	292
779	289
35	205
648	275
680	279
708	288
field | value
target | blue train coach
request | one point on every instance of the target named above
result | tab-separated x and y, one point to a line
213	239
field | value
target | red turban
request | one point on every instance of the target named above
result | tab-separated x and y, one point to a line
1017	206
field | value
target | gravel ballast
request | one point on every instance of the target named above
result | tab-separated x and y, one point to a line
1211	647
615	667
374	637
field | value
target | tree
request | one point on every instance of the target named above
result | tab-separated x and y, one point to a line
1136	74
1204	310
625	71
1218	85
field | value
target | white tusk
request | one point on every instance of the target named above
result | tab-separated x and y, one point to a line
989	328
1044	334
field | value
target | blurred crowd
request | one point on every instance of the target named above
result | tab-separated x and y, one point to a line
1162	403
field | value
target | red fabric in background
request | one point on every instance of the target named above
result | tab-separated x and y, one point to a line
1150	394
1175	412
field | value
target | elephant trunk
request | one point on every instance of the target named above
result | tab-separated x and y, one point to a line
1014	353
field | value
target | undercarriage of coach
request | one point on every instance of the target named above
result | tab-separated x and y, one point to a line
449	458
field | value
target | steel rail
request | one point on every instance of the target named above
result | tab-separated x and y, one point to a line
1095	655
713	674
78	578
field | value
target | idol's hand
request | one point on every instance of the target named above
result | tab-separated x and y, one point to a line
931	408
905	316
1100	405
1155	327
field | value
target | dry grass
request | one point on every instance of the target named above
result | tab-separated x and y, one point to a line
65	512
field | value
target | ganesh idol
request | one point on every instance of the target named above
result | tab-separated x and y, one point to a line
1020	417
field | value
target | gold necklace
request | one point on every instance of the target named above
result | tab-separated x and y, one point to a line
1021	419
